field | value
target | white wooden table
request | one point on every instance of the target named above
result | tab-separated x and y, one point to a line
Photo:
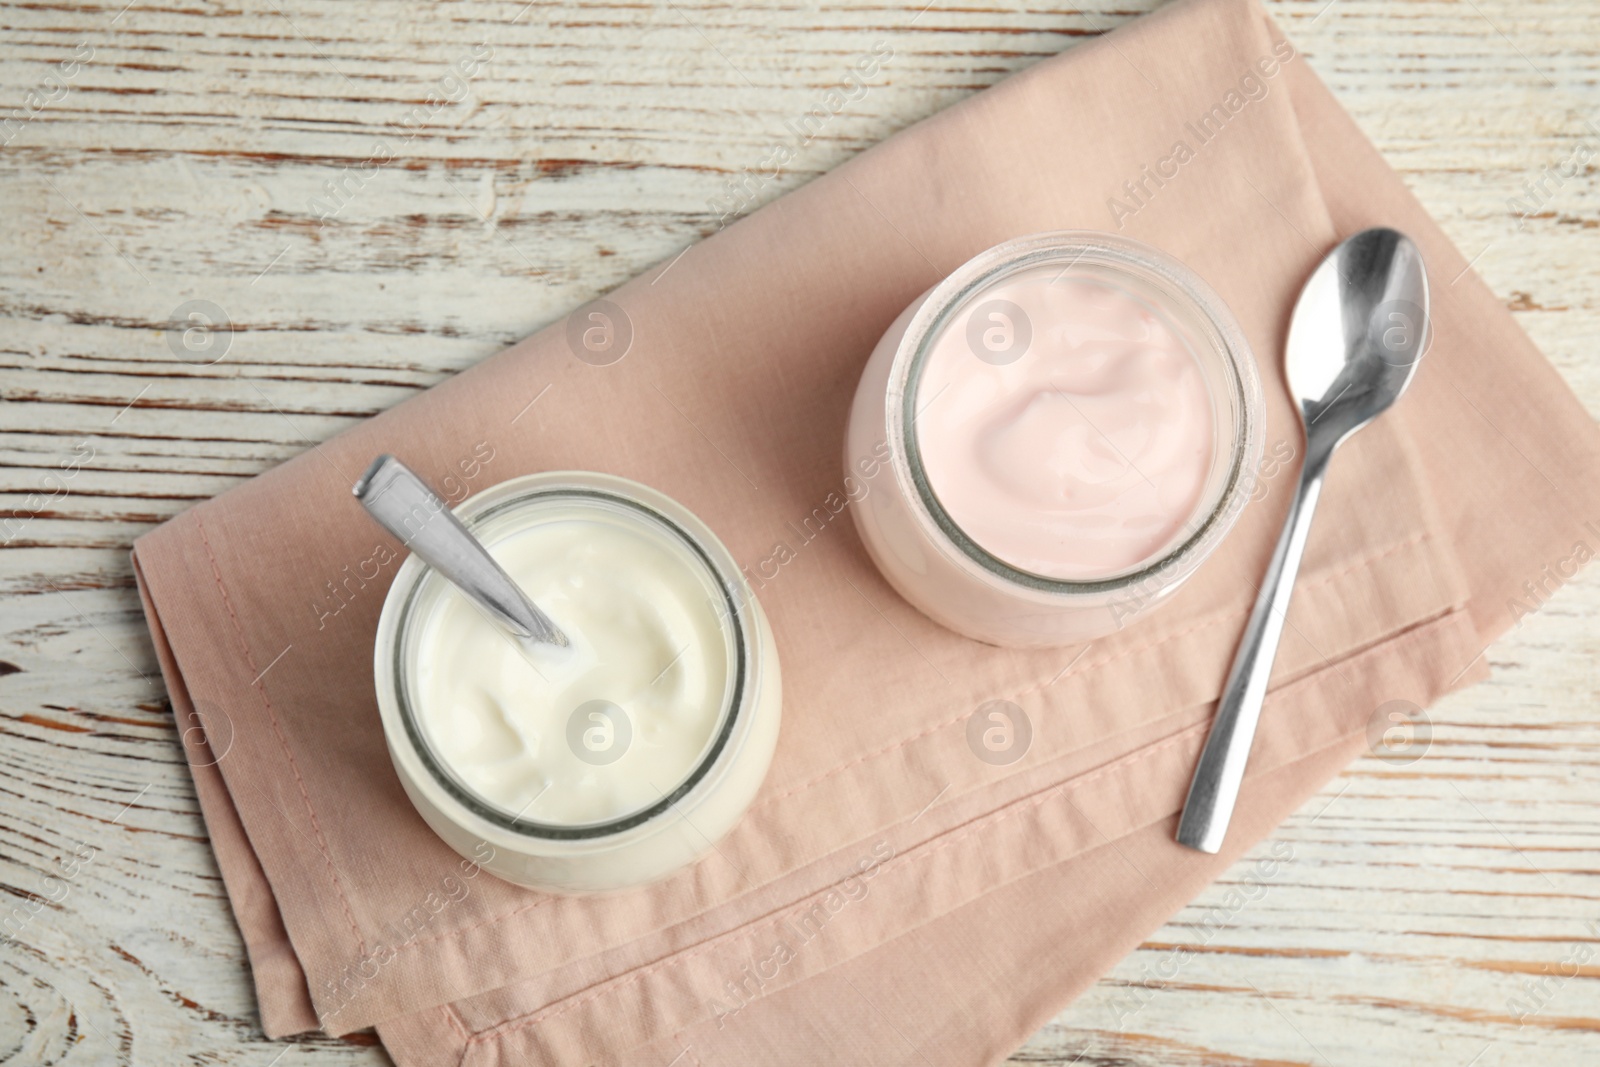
1430	910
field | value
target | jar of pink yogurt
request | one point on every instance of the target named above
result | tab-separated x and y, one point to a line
1054	437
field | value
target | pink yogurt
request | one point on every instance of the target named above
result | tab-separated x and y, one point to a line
1065	426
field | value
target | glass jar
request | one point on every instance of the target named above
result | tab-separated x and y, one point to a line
680	820
945	571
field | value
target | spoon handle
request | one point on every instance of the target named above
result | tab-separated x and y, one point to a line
1217	778
403	504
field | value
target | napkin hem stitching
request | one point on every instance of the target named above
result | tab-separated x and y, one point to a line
277	730
917	855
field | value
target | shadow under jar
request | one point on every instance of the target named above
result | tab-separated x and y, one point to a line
1054	438
609	764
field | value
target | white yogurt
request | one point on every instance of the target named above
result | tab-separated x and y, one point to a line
610	764
606	727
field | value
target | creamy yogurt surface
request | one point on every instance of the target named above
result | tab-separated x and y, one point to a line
1064	425
602	729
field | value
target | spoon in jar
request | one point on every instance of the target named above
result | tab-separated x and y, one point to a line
1358	331
403	504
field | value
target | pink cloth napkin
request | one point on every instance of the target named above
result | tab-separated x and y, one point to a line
890	898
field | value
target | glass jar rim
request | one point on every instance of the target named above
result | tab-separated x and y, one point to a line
518	493
1117	254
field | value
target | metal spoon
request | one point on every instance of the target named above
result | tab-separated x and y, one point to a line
403	504
1359	329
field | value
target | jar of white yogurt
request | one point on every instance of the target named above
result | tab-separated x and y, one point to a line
607	764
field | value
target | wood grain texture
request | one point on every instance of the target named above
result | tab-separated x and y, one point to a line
1433	913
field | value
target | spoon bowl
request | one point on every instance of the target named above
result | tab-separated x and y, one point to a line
1358	333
